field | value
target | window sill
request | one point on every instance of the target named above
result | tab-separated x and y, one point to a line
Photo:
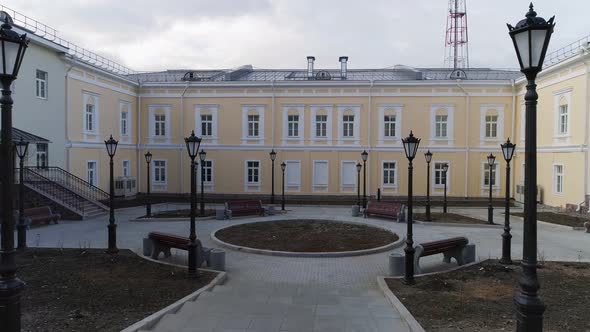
562	136
42	98
488	188
389	186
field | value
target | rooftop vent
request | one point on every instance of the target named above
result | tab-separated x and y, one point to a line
191	76
323	76
343	61
310	60
458	74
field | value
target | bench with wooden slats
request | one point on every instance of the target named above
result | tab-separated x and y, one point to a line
245	208
450	248
392	210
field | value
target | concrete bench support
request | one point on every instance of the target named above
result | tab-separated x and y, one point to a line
469	253
396	265
217	258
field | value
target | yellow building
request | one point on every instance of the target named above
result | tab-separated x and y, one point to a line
319	121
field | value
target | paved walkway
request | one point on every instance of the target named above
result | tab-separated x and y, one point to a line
313	294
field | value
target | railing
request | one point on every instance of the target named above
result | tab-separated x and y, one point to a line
72	183
51	34
567	51
58	192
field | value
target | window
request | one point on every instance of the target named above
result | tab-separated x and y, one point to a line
320	174
293	174
389	125
389	178
558	178
207	173
90	118
160	171
207	125
125	167
253	172
486	175
160	125
491	126
41	84
348	174
439	174
348	126
253	125
293	125
42	157
321	126
91	172
124	123
441	125
563	119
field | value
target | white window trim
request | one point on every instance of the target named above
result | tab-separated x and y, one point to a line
315	109
123	167
567	94
450	109
356	110
484	109
259	109
317	186
555	180
95	171
46	81
348	186
86	95
212	109
292	187
484	168
153	170
397	111
208	185
153	108
449	172
249	185
125	106
383	184
300	109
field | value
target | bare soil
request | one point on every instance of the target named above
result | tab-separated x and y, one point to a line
88	290
450	218
306	236
186	213
480	297
558	218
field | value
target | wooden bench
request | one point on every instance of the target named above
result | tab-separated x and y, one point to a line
162	242
391	210
450	248
41	214
244	208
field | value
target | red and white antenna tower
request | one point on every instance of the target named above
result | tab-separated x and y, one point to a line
456	49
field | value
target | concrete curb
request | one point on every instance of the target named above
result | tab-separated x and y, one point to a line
151	320
169	219
571	228
398	243
434	223
397	304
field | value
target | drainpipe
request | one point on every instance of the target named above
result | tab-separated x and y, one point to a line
272	114
67	131
465	193
586	134
369	135
138	137
180	151
512	178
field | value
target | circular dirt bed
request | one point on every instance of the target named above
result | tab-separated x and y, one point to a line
306	236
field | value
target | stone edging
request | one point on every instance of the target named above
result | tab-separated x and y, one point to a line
403	311
434	223
151	320
170	219
387	247
550	224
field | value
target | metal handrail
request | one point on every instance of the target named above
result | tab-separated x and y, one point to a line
567	51
52	188
72	183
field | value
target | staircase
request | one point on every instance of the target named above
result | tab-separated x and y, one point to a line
67	190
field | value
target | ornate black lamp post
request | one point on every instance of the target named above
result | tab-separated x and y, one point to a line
530	37
273	156
202	157
148	205
508	152
283	166
365	156
13	47
21	148
428	157
445	170
358	186
410	147
192	145
111	145
491	161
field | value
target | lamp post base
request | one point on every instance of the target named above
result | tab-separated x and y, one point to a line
194	259
10	308
506	260
529	313
22	235
490	215
409	273
112	239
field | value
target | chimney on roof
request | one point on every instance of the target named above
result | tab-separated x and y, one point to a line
343	62
310	60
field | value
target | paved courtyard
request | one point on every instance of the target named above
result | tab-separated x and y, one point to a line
270	293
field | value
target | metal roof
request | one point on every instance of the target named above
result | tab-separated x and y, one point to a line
18	134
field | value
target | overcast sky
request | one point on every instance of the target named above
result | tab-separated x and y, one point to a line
199	34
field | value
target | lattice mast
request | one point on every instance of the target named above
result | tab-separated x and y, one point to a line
456	48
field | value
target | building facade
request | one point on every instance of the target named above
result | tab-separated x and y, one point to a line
317	120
